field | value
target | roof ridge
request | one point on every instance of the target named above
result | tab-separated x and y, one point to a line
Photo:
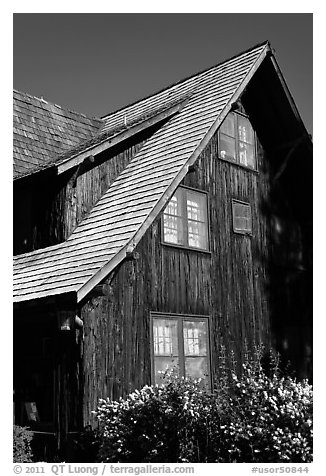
58	106
226	60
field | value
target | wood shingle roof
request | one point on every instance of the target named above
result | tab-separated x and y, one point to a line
124	213
43	130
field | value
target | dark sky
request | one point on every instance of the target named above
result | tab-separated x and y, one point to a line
98	62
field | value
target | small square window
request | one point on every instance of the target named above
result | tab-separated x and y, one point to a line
242	220
185	219
237	140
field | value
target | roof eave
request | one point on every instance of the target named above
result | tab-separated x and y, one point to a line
43	171
68	299
117	139
288	94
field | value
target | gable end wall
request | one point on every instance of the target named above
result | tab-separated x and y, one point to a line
229	284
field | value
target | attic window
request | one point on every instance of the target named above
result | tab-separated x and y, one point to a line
185	219
242	220
237	140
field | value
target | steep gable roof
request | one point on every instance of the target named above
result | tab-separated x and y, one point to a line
124	213
43	130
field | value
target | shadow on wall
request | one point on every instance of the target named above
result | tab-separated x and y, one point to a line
289	212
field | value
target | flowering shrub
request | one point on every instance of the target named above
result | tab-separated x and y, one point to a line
151	424
22	445
259	416
269	419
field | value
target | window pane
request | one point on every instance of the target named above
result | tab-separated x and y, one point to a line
196	367
173	230
197	235
241	217
163	364
174	206
197	220
245	130
227	126
173	222
166	352
196	206
165	337
195	338
242	224
246	154
227	147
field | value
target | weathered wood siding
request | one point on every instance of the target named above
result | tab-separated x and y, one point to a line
228	284
246	287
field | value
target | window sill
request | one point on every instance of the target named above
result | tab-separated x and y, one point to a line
236	164
186	248
40	432
246	233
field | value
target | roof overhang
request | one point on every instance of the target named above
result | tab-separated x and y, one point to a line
288	94
55	301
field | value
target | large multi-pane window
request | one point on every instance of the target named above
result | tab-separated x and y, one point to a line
185	219
180	343
237	140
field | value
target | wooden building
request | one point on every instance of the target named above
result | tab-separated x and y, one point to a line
150	237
